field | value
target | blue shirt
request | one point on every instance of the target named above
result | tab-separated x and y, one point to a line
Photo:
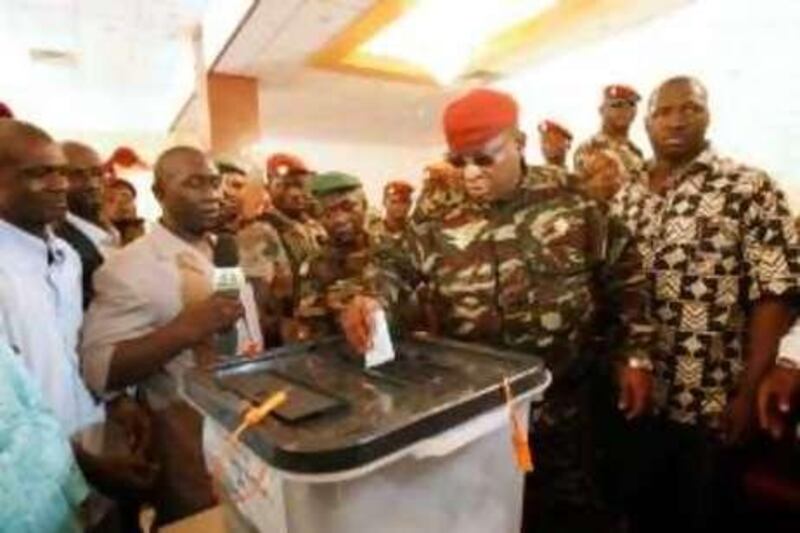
41	487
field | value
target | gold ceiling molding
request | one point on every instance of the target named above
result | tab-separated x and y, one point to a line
567	23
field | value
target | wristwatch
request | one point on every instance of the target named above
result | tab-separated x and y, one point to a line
640	363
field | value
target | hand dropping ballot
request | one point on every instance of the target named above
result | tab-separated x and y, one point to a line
382	350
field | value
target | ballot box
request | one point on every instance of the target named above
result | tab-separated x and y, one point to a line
421	443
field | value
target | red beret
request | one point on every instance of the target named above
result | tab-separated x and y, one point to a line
285	165
5	111
551	126
621	92
126	157
478	117
398	188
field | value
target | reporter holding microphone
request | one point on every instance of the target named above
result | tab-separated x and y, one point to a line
156	314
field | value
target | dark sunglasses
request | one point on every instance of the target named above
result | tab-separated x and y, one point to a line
484	158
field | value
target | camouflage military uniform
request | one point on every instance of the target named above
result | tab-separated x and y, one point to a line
443	197
630	154
554	174
526	274
301	240
381	236
329	281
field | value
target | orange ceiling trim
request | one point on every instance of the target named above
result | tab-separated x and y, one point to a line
341	55
561	26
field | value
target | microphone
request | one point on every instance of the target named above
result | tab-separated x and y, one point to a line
228	281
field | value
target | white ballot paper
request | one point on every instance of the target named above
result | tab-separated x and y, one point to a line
382	350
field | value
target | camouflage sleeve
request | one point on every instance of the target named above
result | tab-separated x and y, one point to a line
401	282
260	251
579	159
624	294
311	291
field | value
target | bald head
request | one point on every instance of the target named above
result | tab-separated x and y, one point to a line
174	160
677	119
189	190
687	83
80	155
17	138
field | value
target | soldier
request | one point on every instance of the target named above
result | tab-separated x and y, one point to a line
720	248
391	230
288	189
524	276
555	142
617	112
344	268
284	236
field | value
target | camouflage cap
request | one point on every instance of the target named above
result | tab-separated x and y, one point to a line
328	183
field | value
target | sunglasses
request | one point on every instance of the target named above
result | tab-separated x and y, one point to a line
494	153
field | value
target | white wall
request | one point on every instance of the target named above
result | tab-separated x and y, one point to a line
374	163
742	50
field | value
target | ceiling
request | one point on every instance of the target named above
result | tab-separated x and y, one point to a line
126	66
297	100
97	64
278	44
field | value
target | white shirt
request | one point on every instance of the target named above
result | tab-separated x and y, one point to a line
104	240
137	291
789	348
40	316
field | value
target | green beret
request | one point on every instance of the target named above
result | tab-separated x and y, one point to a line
329	183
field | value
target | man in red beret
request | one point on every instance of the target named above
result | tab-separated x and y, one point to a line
525	273
397	201
617	112
555	143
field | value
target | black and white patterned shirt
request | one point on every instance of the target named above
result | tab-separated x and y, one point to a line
720	238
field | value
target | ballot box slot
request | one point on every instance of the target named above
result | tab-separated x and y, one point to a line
304	401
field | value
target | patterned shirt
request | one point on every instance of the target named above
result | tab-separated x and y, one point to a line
630	154
720	238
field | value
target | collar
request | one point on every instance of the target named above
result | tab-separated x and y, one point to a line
47	252
98	235
705	160
168	245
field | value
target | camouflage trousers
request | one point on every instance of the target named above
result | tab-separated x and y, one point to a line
562	494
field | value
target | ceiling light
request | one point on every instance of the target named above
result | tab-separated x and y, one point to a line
443	36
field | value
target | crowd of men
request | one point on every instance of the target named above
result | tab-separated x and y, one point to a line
660	293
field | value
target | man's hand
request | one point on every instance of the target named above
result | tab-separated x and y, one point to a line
201	320
356	322
635	391
135	421
117	476
737	420
777	395
294	330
